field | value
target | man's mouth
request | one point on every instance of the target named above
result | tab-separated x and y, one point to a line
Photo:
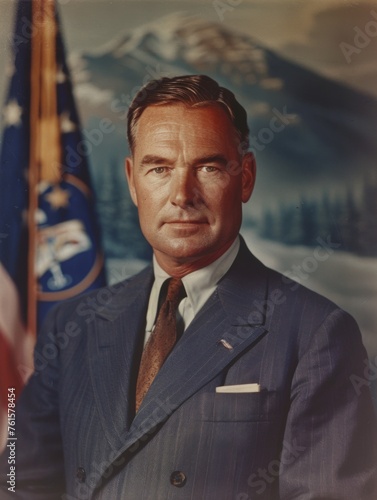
182	221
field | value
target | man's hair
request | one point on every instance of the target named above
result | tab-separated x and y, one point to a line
193	91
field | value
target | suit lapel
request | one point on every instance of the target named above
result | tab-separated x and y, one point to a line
114	352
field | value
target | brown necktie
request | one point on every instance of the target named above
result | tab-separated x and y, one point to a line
161	340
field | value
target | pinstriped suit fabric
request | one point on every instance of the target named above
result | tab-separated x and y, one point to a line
306	435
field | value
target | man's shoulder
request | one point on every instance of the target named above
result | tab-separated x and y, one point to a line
105	297
283	304
296	289
279	288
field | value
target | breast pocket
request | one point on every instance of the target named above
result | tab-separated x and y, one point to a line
246	407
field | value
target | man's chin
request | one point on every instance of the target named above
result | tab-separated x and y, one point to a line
185	249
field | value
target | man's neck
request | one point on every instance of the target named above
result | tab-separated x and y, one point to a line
178	269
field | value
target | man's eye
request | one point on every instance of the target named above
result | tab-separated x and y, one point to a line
159	170
208	169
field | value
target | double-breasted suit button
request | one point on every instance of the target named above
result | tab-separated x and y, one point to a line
81	474
178	478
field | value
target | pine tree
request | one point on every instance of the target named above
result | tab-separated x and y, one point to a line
309	222
352	227
369	215
268	226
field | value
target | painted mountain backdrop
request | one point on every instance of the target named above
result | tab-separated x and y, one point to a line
316	162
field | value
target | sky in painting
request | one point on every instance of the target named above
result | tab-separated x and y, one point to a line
309	32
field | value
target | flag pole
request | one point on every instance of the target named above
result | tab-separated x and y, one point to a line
33	164
45	149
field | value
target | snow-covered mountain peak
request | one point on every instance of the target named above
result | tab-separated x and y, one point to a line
196	41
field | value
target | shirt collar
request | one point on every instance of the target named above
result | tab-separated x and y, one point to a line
202	282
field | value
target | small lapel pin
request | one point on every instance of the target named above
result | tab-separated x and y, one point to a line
226	344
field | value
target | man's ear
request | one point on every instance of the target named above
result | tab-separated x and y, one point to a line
130	179
249	172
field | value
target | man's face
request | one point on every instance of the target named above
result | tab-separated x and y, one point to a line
188	180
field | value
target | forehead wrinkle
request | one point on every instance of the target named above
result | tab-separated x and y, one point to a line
175	127
159	134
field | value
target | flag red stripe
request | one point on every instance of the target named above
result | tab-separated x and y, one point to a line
9	375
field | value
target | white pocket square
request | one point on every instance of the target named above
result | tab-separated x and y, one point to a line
238	388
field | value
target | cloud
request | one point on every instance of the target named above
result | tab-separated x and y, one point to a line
320	50
92	94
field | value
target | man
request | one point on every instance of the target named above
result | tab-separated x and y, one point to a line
236	385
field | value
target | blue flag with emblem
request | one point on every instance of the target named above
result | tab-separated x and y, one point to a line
49	238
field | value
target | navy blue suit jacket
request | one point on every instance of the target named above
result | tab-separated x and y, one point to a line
308	434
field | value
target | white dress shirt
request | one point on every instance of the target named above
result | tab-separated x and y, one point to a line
199	286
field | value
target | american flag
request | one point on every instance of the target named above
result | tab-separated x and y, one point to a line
49	240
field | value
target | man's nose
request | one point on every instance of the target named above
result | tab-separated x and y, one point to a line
183	189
